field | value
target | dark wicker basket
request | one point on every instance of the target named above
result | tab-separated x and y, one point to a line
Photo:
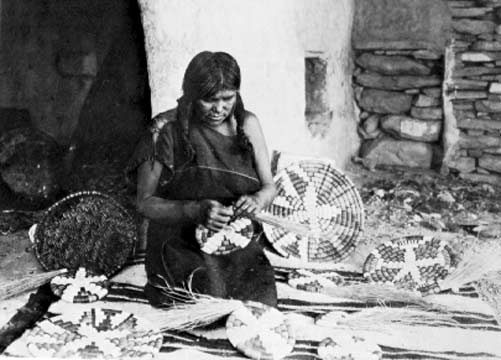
86	229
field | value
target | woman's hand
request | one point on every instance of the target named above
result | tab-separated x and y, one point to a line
213	215
248	205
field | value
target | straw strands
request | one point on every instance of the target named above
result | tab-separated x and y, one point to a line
489	289
476	263
375	318
190	310
17	287
380	294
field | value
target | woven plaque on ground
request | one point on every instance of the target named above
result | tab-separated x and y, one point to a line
93	333
348	347
260	332
314	280
80	287
412	262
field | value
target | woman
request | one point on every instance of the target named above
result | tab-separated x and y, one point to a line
204	163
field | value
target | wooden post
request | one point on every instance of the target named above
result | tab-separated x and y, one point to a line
450	133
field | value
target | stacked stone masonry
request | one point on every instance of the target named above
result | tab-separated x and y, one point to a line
399	95
475	89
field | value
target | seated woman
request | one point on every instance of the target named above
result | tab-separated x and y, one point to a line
204	162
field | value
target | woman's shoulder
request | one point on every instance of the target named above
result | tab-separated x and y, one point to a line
250	122
164	121
250	119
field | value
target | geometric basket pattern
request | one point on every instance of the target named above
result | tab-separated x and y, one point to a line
313	192
93	333
413	262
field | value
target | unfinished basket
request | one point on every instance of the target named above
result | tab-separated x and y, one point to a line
86	229
412	262
237	235
313	192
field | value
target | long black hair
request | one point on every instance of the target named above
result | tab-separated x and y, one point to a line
206	74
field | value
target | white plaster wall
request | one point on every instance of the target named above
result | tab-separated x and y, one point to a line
269	39
325	26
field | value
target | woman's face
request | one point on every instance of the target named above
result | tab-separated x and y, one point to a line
216	109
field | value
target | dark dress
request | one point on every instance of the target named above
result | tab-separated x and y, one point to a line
217	170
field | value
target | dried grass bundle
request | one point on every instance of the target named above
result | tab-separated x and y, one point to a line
379	294
17	287
189	310
489	289
377	318
476	263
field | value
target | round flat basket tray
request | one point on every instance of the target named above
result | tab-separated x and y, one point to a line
413	262
314	280
93	333
86	229
348	347
313	192
260	332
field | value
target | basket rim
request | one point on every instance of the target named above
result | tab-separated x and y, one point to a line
72	197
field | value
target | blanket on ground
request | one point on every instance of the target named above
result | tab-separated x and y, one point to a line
474	333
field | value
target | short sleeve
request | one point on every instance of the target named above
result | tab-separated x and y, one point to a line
156	144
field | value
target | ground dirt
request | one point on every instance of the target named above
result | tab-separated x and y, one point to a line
398	202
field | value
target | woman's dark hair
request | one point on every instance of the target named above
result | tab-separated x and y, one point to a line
206	74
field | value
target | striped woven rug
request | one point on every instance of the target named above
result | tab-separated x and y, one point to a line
472	324
472	335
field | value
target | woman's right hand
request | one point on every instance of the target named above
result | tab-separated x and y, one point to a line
214	215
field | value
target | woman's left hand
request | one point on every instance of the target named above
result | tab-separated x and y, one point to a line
248	205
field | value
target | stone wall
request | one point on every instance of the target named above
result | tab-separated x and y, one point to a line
399	46
400	97
423	103
474	89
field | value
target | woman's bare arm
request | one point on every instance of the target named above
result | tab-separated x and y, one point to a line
254	203
175	212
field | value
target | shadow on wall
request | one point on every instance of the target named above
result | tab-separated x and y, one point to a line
114	113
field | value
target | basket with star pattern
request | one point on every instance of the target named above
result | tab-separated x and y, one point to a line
93	333
260	332
313	192
413	262
80	287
